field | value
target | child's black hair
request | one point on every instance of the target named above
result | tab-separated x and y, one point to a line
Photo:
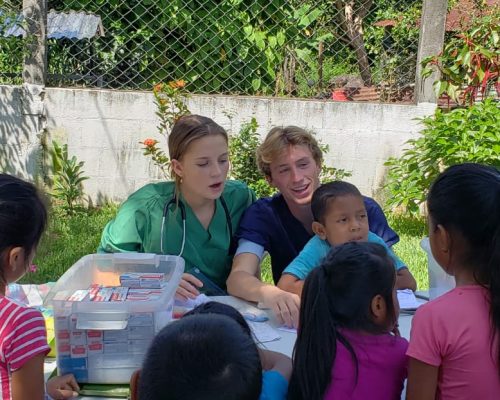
328	192
466	199
336	295
214	307
23	216
206	357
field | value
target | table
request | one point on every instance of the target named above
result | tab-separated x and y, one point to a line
283	345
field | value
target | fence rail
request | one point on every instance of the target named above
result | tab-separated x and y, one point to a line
305	48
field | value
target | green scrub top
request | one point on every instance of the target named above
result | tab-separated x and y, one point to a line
137	227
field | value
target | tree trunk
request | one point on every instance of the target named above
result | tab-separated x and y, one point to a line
352	16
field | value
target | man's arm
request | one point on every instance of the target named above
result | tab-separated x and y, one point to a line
244	282
291	283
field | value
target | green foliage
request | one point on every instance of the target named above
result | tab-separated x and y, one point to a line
461	135
470	62
394	49
243	148
67	178
170	101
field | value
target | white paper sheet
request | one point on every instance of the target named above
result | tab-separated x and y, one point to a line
407	300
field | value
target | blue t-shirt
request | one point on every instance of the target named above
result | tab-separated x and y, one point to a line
274	386
316	249
269	223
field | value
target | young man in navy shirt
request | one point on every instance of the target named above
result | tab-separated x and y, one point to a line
290	159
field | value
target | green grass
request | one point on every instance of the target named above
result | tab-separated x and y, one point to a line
70	237
66	240
410	231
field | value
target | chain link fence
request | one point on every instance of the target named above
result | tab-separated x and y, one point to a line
299	48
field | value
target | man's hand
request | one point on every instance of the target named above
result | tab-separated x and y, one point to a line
188	287
62	387
285	305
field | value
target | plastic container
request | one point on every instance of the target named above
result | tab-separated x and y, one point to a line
105	342
439	281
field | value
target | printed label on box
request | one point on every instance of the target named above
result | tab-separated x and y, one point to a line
141	319
78	351
116	347
140	332
95	348
116	336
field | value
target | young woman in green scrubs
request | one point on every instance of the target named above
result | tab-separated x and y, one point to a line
193	216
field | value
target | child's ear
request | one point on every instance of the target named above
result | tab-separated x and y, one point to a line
319	229
379	309
15	258
443	243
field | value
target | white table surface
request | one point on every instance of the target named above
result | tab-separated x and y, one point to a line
283	345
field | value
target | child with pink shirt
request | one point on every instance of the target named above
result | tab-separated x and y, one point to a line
454	351
345	347
23	339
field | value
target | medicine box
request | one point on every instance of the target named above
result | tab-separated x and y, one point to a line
104	340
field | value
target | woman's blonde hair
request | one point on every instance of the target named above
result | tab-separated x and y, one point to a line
281	138
186	130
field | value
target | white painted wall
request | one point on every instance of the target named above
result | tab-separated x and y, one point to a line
104	127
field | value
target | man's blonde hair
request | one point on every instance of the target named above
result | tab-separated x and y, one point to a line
280	138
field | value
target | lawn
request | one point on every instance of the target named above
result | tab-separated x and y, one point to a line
69	237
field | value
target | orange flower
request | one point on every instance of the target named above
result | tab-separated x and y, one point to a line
177	84
158	87
150	142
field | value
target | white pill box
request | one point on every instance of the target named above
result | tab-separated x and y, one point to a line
106	341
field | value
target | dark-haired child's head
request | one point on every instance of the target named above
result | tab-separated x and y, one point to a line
339	213
23	217
464	219
214	307
357	283
207	357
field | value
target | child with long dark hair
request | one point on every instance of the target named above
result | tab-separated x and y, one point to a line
23	338
454	347
345	348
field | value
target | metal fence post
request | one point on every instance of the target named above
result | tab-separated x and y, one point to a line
430	42
35	61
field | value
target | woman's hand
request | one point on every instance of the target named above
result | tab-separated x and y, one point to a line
188	288
62	387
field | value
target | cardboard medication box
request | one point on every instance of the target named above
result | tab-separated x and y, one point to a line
103	328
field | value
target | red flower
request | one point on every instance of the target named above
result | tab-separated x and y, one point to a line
150	142
158	87
177	84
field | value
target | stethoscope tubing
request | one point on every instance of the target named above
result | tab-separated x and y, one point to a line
182	208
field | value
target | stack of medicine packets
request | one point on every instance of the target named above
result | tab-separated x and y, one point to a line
78	350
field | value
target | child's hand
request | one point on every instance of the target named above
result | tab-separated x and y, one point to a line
62	387
274	361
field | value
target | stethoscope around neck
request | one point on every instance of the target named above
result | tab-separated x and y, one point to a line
182	208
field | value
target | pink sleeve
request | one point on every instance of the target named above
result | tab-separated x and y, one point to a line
426	337
29	338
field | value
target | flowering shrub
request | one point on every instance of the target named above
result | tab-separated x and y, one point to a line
170	101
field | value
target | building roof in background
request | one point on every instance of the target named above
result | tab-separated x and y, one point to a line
70	25
458	17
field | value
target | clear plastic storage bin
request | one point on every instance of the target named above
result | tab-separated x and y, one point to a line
105	342
439	281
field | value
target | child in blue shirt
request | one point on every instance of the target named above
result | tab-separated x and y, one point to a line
339	217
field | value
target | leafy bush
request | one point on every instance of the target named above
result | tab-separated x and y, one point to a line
448	138
67	178
470	62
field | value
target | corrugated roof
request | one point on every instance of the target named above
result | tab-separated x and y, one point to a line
70	25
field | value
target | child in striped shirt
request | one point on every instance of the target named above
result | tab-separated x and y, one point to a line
23	338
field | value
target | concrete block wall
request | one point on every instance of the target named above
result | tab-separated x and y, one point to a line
104	127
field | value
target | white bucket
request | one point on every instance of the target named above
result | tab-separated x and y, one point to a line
439	281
